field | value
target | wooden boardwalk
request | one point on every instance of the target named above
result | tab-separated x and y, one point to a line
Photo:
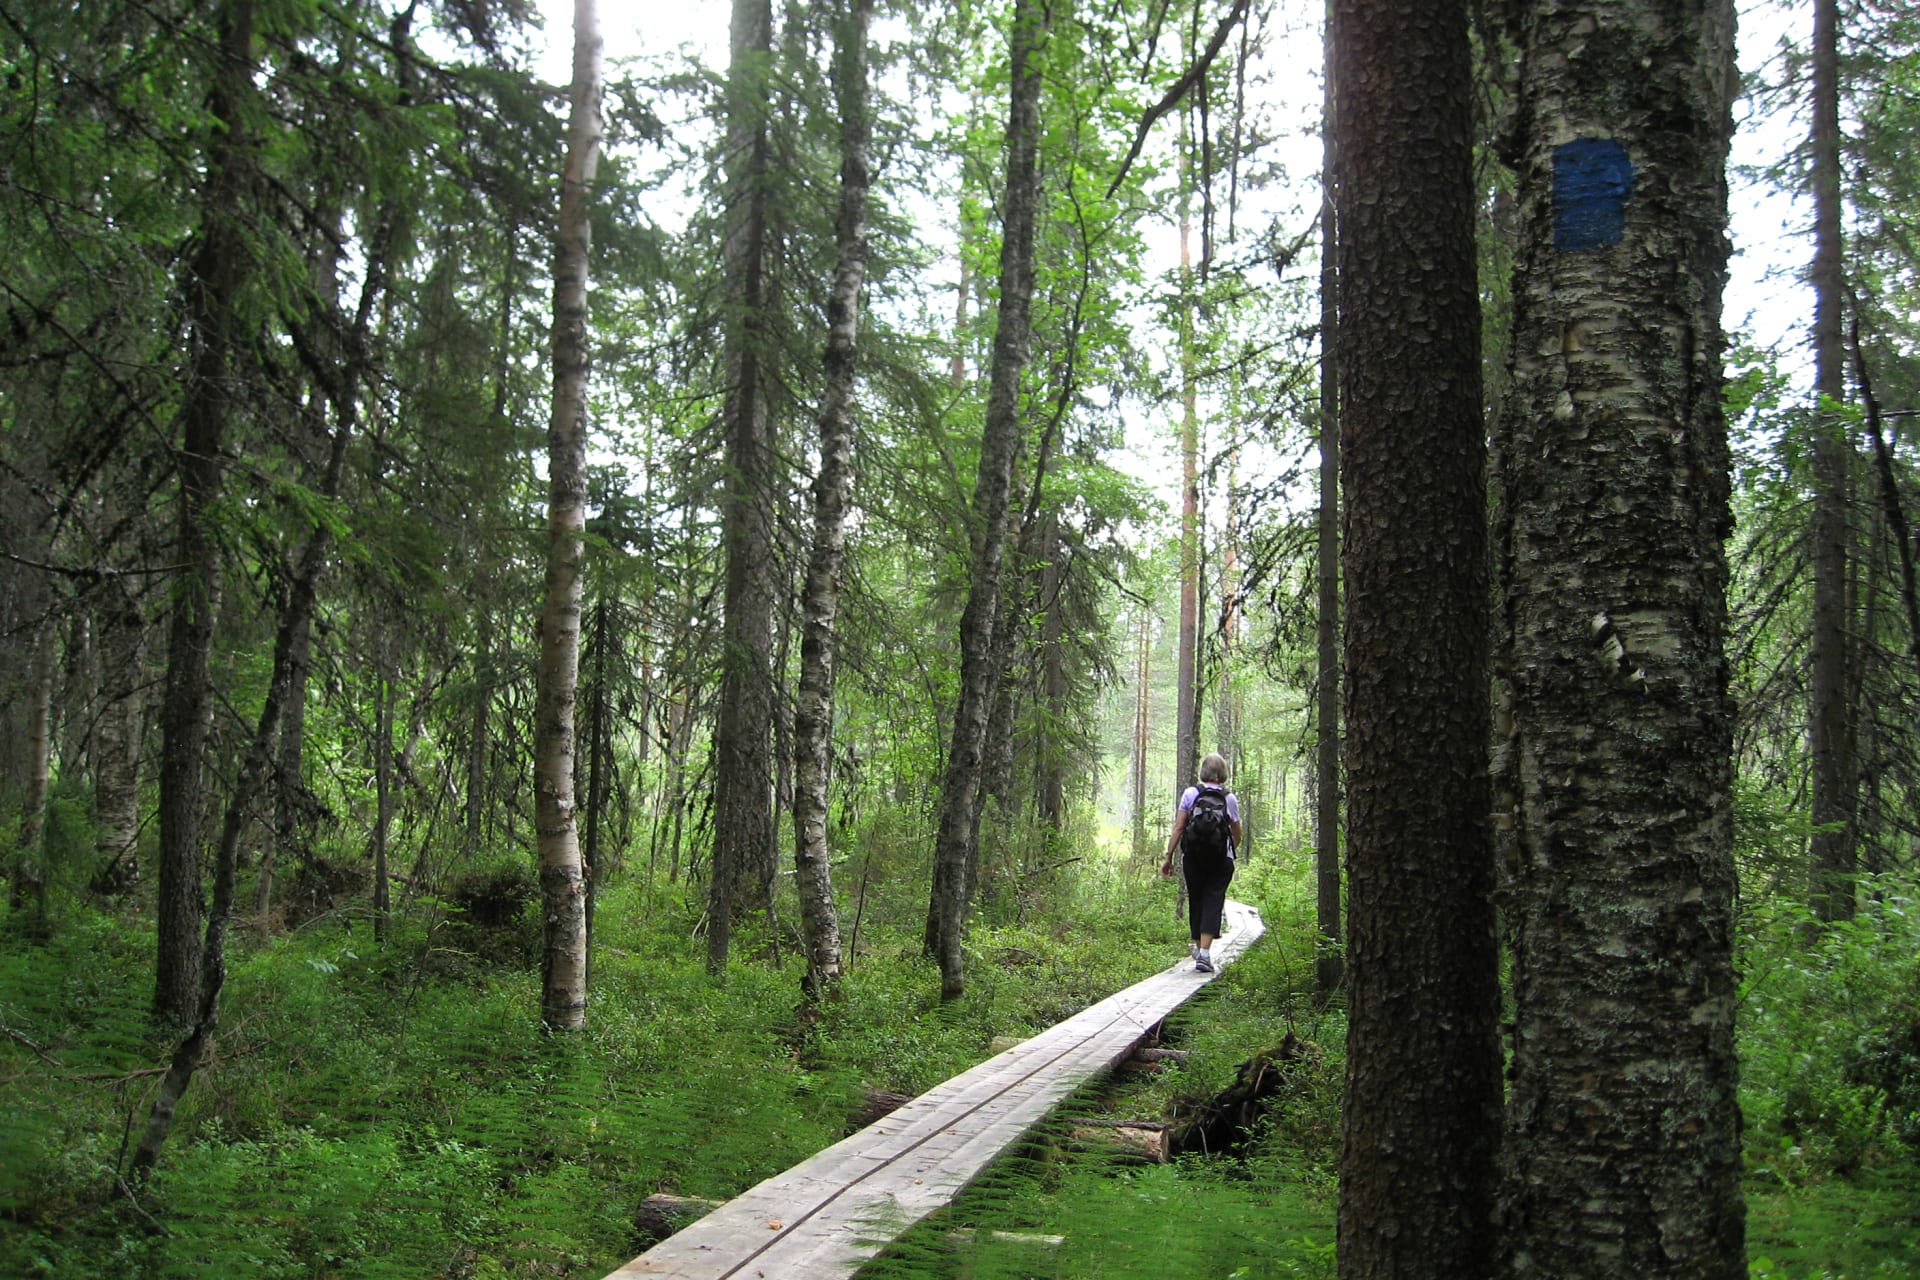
829	1214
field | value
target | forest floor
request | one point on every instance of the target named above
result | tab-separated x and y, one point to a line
375	1110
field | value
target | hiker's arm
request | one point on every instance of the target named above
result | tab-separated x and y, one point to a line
1173	840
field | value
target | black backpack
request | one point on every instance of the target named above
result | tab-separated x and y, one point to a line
1208	826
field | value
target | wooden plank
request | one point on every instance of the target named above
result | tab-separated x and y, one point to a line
823	1218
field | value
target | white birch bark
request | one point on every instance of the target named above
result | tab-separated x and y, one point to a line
563	999
1613	755
813	714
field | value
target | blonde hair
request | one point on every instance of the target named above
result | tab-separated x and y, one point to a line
1213	768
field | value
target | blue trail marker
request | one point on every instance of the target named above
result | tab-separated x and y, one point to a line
1592	181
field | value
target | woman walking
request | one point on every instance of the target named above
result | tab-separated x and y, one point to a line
1206	832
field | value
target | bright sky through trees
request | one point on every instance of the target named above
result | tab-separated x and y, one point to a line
1766	297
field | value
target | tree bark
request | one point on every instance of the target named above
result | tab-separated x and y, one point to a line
116	745
30	870
1830	709
1422	1109
1614	752
1051	752
1328	961
477	744
214	279
1186	728
563	970
1000	437
382	786
290	793
741	875
813	713
599	769
1142	701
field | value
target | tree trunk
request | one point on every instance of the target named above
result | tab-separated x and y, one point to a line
563	970
1186	727
1142	700
214	279
599	767
1421	1117
289	650
742	868
477	732
1614	754
813	713
1226	707
382	787
1328	962
30	870
1051	754
1830	710
979	674
116	747
73	707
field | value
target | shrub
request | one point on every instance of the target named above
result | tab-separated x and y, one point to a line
1830	1029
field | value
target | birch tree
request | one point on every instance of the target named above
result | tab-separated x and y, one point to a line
563	998
813	716
1613	759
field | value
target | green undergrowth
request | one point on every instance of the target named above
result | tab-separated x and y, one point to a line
373	1110
1830	1088
1867	1228
395	1110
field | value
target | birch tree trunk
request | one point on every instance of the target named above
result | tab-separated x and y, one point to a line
813	713
1830	708
563	969
1613	757
955	841
1422	1112
741	874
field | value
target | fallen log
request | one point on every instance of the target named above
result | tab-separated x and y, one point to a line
875	1104
1222	1123
1128	1141
660	1215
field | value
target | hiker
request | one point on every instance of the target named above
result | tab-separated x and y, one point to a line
1206	831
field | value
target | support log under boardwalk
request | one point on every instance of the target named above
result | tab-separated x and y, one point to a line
829	1214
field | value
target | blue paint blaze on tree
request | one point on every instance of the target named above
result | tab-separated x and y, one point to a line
1592	180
